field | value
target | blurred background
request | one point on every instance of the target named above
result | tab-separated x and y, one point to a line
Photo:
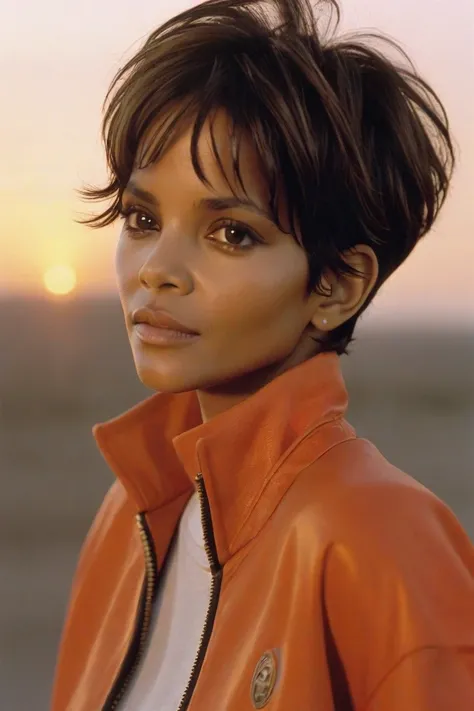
64	358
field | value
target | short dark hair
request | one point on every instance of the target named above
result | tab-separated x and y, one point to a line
359	144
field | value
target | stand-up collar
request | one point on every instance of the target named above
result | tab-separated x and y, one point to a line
157	447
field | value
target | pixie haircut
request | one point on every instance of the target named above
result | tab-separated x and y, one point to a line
356	143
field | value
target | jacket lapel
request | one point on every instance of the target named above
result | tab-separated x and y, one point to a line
248	455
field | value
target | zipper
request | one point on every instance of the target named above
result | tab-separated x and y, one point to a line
137	646
216	580
135	651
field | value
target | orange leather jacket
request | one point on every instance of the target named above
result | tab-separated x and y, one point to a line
339	582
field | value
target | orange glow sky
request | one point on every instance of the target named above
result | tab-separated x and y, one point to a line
57	60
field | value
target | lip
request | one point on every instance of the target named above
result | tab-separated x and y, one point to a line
163	336
160	321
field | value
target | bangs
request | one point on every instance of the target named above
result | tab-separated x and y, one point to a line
266	98
158	121
153	143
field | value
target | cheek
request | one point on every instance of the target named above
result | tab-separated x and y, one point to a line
120	261
267	297
127	265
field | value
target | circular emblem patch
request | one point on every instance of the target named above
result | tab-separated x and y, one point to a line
263	680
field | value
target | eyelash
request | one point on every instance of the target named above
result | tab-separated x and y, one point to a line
133	210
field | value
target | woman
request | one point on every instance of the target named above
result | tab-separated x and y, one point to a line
253	551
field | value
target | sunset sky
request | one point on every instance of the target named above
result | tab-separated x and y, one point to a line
57	59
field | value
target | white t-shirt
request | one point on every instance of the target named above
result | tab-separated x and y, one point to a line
179	615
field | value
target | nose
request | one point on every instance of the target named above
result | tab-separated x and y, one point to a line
166	265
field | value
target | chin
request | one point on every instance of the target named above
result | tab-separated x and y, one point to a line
164	382
164	370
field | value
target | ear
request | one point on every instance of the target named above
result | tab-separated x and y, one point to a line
346	293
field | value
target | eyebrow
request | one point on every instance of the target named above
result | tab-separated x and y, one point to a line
216	204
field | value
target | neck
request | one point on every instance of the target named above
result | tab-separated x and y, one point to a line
215	400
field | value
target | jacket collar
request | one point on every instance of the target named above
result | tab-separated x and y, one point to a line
157	447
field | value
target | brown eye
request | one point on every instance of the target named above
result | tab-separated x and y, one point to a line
142	220
231	235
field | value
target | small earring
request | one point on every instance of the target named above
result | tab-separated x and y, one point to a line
325	321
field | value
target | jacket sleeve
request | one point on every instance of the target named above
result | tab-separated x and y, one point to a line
437	678
399	597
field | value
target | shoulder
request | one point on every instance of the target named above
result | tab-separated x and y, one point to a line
115	504
113	522
393	548
370	502
381	526
398	568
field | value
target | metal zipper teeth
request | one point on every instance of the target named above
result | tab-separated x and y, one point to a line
145	617
216	572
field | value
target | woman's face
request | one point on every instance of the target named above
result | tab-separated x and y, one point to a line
248	304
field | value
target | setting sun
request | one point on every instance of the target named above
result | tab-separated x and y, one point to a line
60	279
